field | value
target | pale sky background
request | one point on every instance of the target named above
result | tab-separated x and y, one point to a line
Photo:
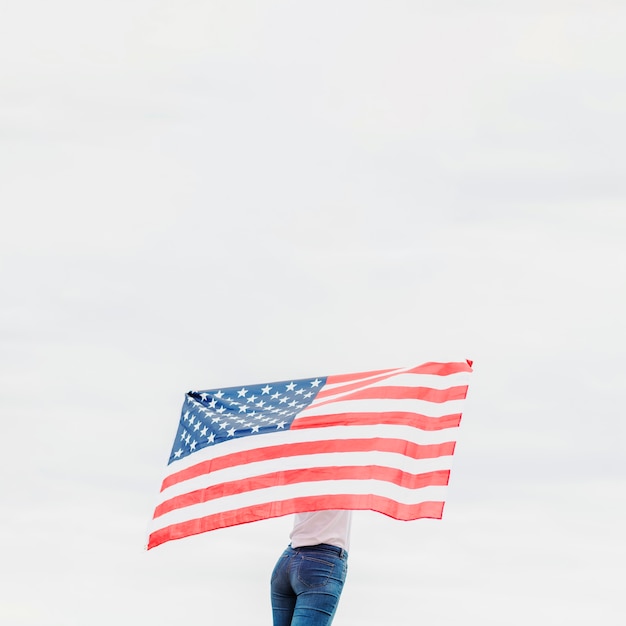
199	194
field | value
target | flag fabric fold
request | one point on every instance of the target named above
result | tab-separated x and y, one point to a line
380	440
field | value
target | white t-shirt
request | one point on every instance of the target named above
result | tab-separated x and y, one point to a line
332	527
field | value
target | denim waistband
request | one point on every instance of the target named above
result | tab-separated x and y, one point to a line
324	547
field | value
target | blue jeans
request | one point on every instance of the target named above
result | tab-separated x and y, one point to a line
306	585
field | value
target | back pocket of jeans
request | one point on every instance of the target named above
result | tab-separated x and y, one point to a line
314	572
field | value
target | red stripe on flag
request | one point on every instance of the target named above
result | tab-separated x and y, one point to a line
343	378
427	394
380	504
438	478
441	369
399	418
400	446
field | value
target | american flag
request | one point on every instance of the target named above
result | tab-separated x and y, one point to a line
380	440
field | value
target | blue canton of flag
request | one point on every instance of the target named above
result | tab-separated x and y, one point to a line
216	415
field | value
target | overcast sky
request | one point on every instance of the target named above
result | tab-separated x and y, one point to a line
202	194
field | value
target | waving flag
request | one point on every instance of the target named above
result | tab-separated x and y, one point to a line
380	441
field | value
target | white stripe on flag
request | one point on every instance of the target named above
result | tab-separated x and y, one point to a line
423	407
404	379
